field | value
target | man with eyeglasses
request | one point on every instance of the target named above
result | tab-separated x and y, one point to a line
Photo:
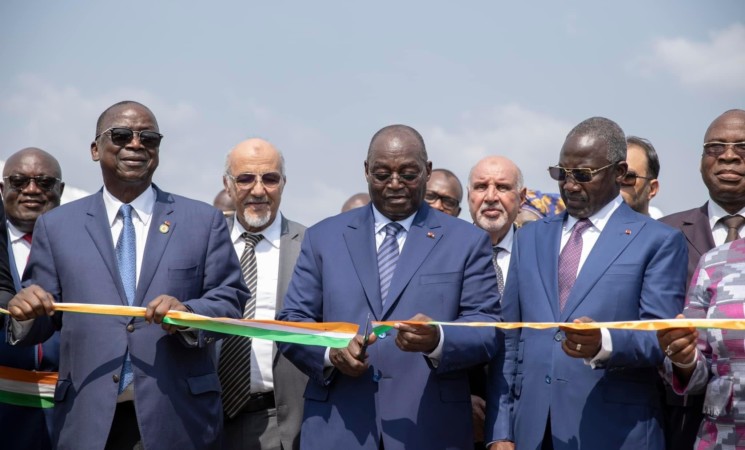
718	221
31	185
396	260
444	192
640	184
131	382
598	261
262	391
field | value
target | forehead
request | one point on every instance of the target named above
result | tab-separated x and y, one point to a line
728	128
396	150
584	151
440	182
134	116
494	171
636	158
31	164
247	158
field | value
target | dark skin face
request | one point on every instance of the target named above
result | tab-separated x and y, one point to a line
582	200
724	176
23	207
127	170
397	152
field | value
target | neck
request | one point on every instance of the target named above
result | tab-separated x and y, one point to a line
732	207
24	226
497	237
127	193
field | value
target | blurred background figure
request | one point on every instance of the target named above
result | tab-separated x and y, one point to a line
355	201
224	203
444	192
640	185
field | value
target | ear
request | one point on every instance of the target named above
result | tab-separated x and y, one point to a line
428	169
621	168
61	188
367	172
523	195
654	188
226	185
94	151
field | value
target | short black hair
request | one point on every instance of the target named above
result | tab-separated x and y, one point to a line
653	161
104	115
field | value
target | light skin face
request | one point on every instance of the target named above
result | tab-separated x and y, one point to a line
493	198
128	170
23	207
444	186
724	176
639	195
257	206
400	152
582	200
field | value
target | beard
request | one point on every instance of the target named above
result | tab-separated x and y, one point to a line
487	223
257	220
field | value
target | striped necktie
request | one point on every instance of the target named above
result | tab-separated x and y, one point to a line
387	258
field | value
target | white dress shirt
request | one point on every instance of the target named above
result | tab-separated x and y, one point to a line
21	248
267	272
718	229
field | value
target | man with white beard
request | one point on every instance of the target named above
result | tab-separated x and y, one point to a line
495	193
262	391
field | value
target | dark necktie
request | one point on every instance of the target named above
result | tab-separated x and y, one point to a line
126	257
235	356
387	258
569	261
27	237
500	276
733	224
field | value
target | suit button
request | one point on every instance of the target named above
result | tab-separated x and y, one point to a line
548	379
130	327
115	377
376	376
383	335
557	336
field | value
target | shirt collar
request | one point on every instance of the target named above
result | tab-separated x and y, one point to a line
600	218
143	205
381	221
506	243
271	234
716	212
14	233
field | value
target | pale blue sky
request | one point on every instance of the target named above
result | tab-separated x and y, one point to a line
319	78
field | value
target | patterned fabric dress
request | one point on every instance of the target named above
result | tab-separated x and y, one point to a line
718	292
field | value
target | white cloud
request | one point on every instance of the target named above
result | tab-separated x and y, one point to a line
717	63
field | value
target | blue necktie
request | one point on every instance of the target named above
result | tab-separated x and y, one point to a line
126	257
387	258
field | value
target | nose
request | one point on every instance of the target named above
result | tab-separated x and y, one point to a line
258	189
730	154
32	190
135	139
492	195
570	184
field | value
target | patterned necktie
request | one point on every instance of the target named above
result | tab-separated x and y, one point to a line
569	261
387	258
235	356
126	258
500	276
733	224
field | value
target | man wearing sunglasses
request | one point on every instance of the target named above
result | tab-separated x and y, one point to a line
716	222
131	382
262	391
598	261
31	186
396	259
444	192
640	184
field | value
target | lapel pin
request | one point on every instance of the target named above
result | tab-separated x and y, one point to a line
430	235
165	227
627	231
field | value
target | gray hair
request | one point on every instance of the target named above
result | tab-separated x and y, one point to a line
281	162
606	130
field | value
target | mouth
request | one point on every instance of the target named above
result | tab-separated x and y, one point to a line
32	204
492	213
729	175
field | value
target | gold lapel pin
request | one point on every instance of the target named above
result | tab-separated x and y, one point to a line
430	235
165	227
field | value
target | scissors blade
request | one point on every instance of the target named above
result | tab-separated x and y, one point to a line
365	338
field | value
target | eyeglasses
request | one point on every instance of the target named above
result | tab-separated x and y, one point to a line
630	179
717	148
123	136
43	182
247	180
386	177
580	175
448	202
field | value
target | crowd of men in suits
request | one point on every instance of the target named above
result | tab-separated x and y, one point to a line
396	253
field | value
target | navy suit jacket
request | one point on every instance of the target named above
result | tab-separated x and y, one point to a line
694	224
176	388
633	272
445	272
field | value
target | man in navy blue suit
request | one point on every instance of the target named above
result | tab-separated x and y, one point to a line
598	261
127	382
396	259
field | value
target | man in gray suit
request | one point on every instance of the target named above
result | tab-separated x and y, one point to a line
262	391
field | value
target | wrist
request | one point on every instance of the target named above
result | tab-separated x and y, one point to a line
687	365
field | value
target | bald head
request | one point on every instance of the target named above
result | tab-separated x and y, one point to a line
401	135
356	201
723	172
18	157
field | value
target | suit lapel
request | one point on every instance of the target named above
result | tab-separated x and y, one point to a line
360	239
547	245
697	231
157	240
621	229
99	229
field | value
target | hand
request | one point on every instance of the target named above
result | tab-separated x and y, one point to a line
581	343
478	410
350	360
30	303
158	308
502	445
417	338
679	344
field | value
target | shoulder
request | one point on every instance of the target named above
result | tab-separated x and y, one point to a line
353	218
184	204
689	215
74	209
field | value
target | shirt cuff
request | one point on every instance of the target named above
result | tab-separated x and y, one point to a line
436	354
606	348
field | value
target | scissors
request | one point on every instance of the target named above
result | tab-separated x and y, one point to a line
365	339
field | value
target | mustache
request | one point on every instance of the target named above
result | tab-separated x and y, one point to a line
492	205
254	199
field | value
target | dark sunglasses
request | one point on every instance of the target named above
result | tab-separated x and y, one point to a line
448	202
123	136
247	180
580	174
630	179
386	177
20	182
717	148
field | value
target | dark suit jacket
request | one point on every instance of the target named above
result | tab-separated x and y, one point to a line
444	271
694	223
632	273
176	388
7	290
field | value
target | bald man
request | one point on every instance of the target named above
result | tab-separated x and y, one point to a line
444	192
355	201
262	394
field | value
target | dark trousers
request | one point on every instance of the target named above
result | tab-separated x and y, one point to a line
124	433
682	421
